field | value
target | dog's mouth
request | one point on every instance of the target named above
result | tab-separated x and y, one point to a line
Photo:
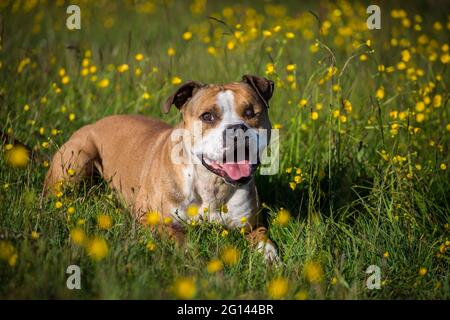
236	173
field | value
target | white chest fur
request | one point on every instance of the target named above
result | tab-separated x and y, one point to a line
230	206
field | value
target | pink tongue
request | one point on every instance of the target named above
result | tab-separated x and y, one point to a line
237	170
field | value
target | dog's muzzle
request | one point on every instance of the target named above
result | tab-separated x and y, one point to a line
240	157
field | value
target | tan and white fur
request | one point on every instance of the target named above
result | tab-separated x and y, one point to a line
135	155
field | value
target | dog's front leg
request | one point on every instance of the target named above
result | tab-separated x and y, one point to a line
165	230
259	240
168	231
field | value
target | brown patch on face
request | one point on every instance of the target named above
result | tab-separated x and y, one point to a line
248	106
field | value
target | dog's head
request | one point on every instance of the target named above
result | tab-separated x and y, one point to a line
233	122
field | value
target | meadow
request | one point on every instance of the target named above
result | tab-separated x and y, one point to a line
364	157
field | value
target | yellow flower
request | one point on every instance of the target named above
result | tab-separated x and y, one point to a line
386	254
72	116
301	295
78	236
314	115
192	211
17	156
277	288
151	246
187	36
176	80
65	80
303	102
71	172
8	253
104	221
185	288
291	67
333	281
224	233
266	33
139	56
290	78
58	204
152	218
406	55
146	96
97	248
292	185
277	126
103	83
437	26
230	255
85	63
171	52
71	210
423	271
420	117
348	106
283	217
437	101
401	65
443	166
313	272
420	106
270	68
34	235
214	266
290	35
380	93
123	67
445	58
212	51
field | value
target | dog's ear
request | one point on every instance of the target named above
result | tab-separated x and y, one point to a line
185	92
262	86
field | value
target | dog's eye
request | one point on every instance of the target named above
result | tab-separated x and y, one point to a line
249	113
208	117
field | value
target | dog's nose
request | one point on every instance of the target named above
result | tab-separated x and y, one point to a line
234	134
233	130
236	143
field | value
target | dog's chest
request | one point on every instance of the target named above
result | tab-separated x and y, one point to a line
217	201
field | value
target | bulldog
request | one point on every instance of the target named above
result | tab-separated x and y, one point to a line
206	162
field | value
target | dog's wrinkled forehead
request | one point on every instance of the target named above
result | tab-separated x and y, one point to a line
252	91
229	98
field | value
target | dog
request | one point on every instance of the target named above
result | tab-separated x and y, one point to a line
138	157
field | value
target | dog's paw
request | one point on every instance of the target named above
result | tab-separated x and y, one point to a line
268	250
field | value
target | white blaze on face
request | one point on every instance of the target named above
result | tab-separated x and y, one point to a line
211	146
225	100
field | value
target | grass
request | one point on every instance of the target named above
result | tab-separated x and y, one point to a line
373	187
